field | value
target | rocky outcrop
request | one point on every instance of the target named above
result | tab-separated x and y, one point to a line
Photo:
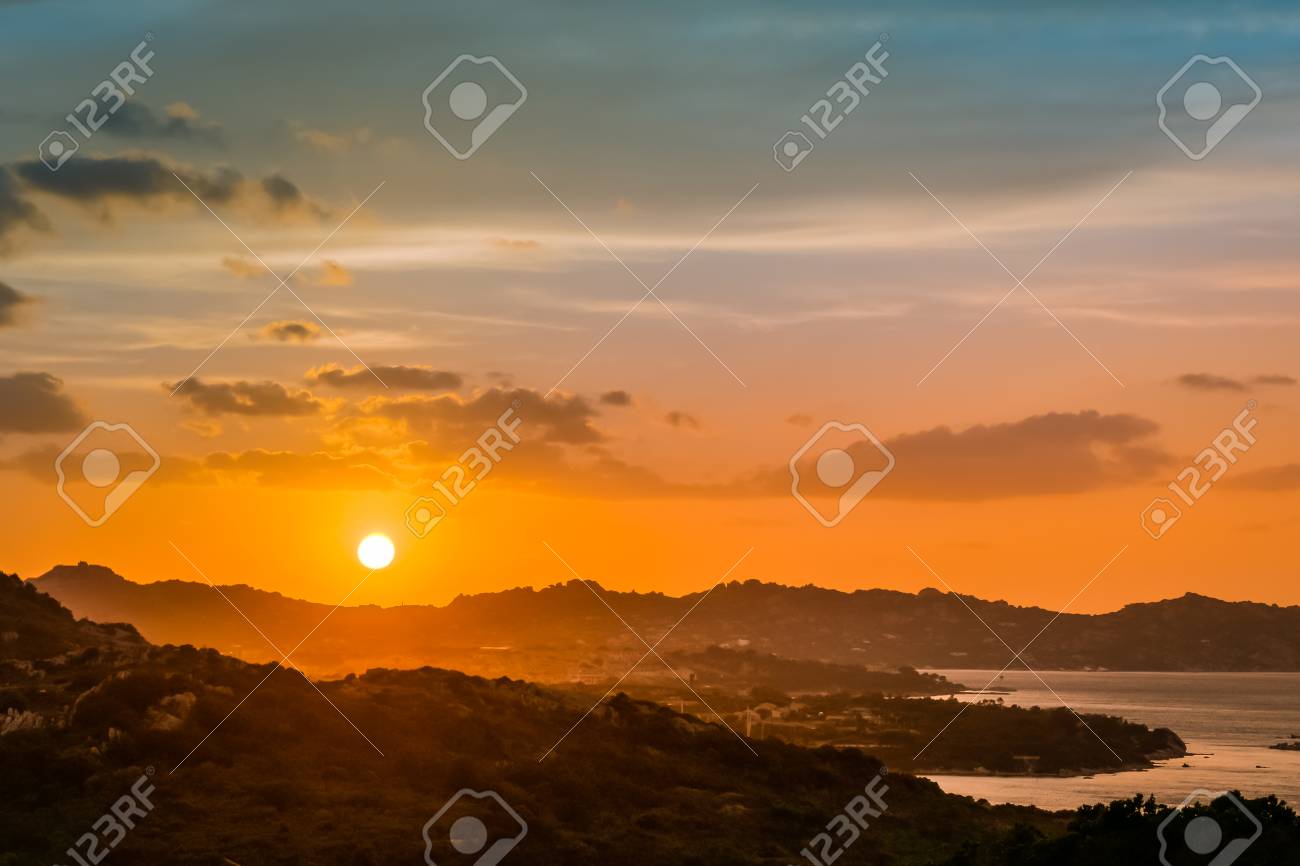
171	712
20	720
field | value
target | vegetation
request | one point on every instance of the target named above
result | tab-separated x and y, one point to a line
279	776
563	632
989	736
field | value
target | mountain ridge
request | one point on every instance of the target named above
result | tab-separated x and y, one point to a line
563	625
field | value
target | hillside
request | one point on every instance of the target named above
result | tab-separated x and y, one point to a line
238	773
563	632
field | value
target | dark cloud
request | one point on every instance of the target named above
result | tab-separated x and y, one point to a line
105	180
1271	478
559	419
515	245
10	301
137	120
15	210
37	463
1052	454
396	376
263	399
682	419
289	332
616	398
799	419
1059	452
36	403
95	179
1209	382
356	471
286	197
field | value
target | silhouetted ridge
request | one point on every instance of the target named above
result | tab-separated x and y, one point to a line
552	631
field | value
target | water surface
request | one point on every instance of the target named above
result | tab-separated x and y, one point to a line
1227	720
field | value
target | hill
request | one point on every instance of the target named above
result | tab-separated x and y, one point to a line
563	632
216	761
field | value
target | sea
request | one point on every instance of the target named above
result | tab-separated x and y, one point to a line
1227	720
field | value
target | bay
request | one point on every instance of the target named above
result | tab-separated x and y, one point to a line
1227	720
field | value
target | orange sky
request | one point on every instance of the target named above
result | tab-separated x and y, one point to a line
873	285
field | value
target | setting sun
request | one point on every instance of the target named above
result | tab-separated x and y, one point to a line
375	551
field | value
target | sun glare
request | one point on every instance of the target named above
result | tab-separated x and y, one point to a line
375	551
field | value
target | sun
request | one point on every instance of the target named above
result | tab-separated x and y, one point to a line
375	551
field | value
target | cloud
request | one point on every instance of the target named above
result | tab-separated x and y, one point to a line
1211	382
330	142
11	301
103	181
1052	454
180	121
562	454
36	403
1055	453
412	378
244	269
262	399
560	419
616	398
799	419
289	332
287	198
202	428
357	471
514	245
1271	478
333	275
682	419
16	211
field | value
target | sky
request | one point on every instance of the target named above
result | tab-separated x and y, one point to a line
997	262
